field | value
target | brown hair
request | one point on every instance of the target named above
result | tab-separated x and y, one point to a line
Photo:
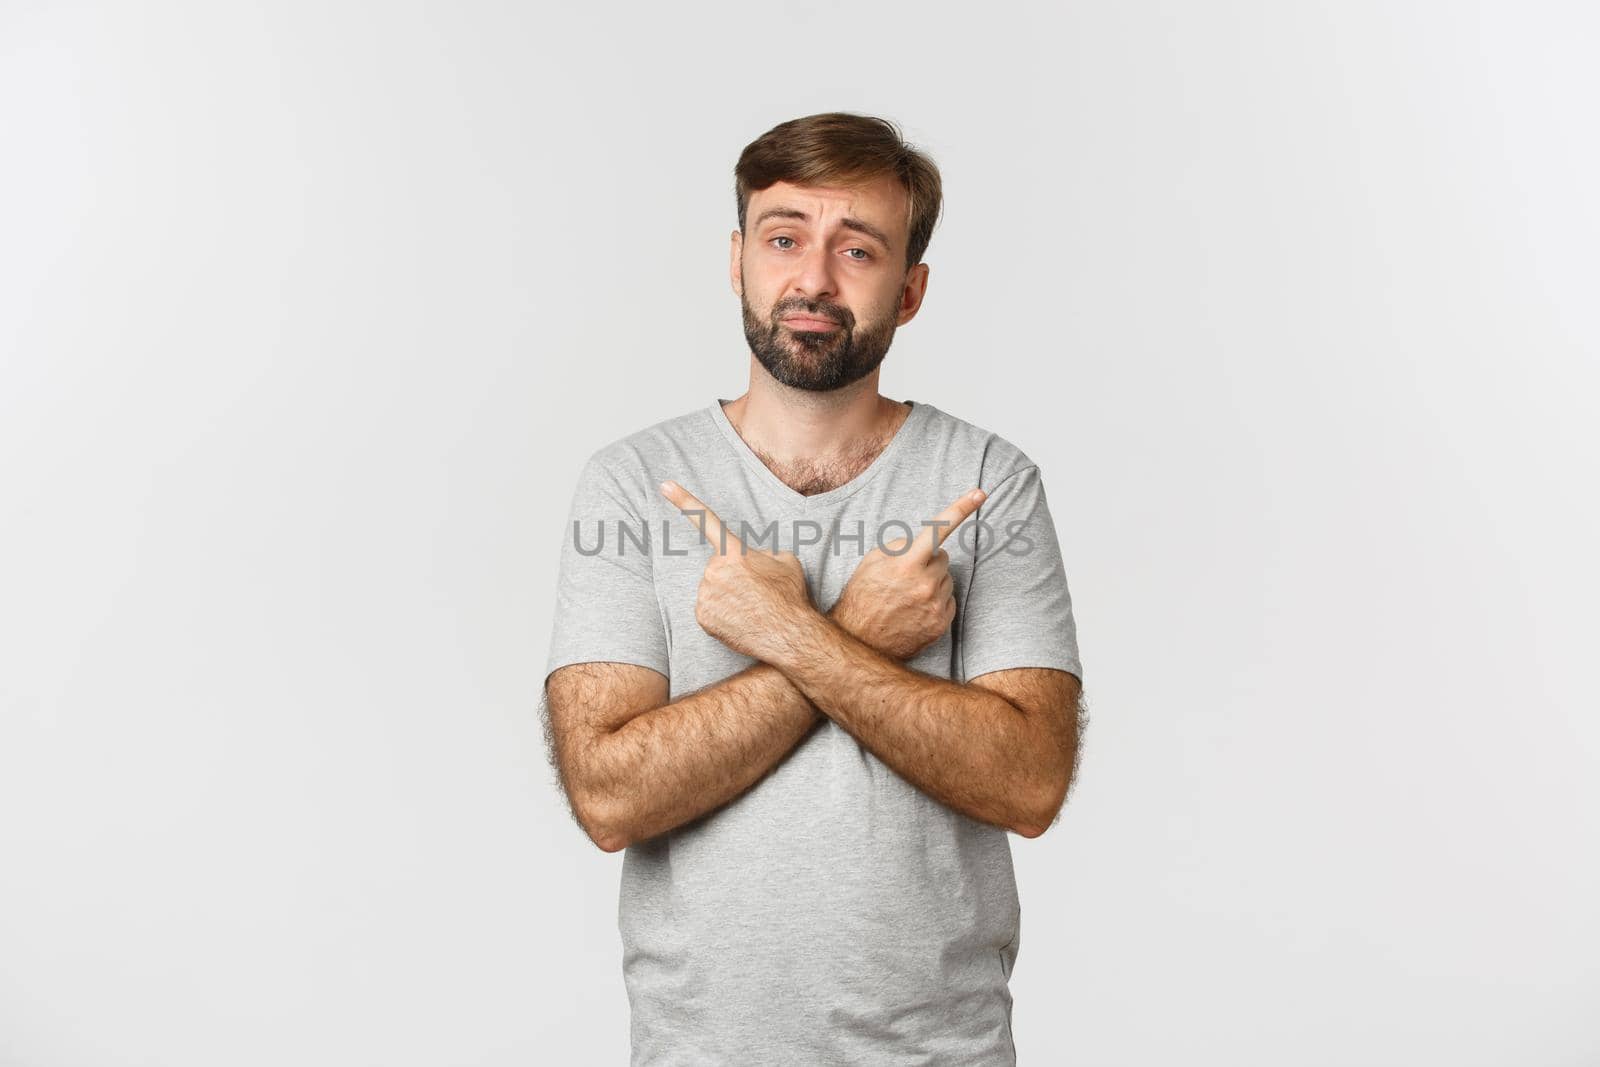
839	148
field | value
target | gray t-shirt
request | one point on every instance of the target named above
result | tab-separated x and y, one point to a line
833	913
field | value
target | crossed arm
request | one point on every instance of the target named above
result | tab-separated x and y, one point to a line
630	774
1001	749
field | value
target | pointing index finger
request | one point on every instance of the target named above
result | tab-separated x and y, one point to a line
944	523
709	525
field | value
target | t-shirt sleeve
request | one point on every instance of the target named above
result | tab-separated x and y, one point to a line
1018	610
606	607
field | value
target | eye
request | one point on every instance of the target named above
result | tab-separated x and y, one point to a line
865	255
782	238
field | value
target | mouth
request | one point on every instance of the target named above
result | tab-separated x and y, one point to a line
810	323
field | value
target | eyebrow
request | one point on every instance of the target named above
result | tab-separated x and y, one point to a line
849	223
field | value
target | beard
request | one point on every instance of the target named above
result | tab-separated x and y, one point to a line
807	359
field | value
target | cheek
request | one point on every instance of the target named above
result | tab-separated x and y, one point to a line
757	293
884	305
755	299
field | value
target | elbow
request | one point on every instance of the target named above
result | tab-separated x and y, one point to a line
609	842
1049	797
1034	825
1033	828
600	822
1041	815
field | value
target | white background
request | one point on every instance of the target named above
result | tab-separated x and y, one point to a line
310	313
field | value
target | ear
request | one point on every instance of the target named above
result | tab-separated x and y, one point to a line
735	268
911	294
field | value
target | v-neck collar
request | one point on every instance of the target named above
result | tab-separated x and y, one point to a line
909	427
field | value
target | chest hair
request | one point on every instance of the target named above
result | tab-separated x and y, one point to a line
808	478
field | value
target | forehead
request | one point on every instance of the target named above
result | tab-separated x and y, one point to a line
882	201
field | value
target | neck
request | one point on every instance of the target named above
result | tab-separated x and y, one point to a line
798	425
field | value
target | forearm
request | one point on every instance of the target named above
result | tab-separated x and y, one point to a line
965	746
677	762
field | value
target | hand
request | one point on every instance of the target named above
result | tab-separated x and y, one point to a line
749	598
901	604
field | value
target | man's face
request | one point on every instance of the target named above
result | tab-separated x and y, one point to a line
822	282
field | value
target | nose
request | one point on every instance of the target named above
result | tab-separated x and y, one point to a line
814	278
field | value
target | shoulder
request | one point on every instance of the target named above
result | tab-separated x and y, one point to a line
963	444
636	462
